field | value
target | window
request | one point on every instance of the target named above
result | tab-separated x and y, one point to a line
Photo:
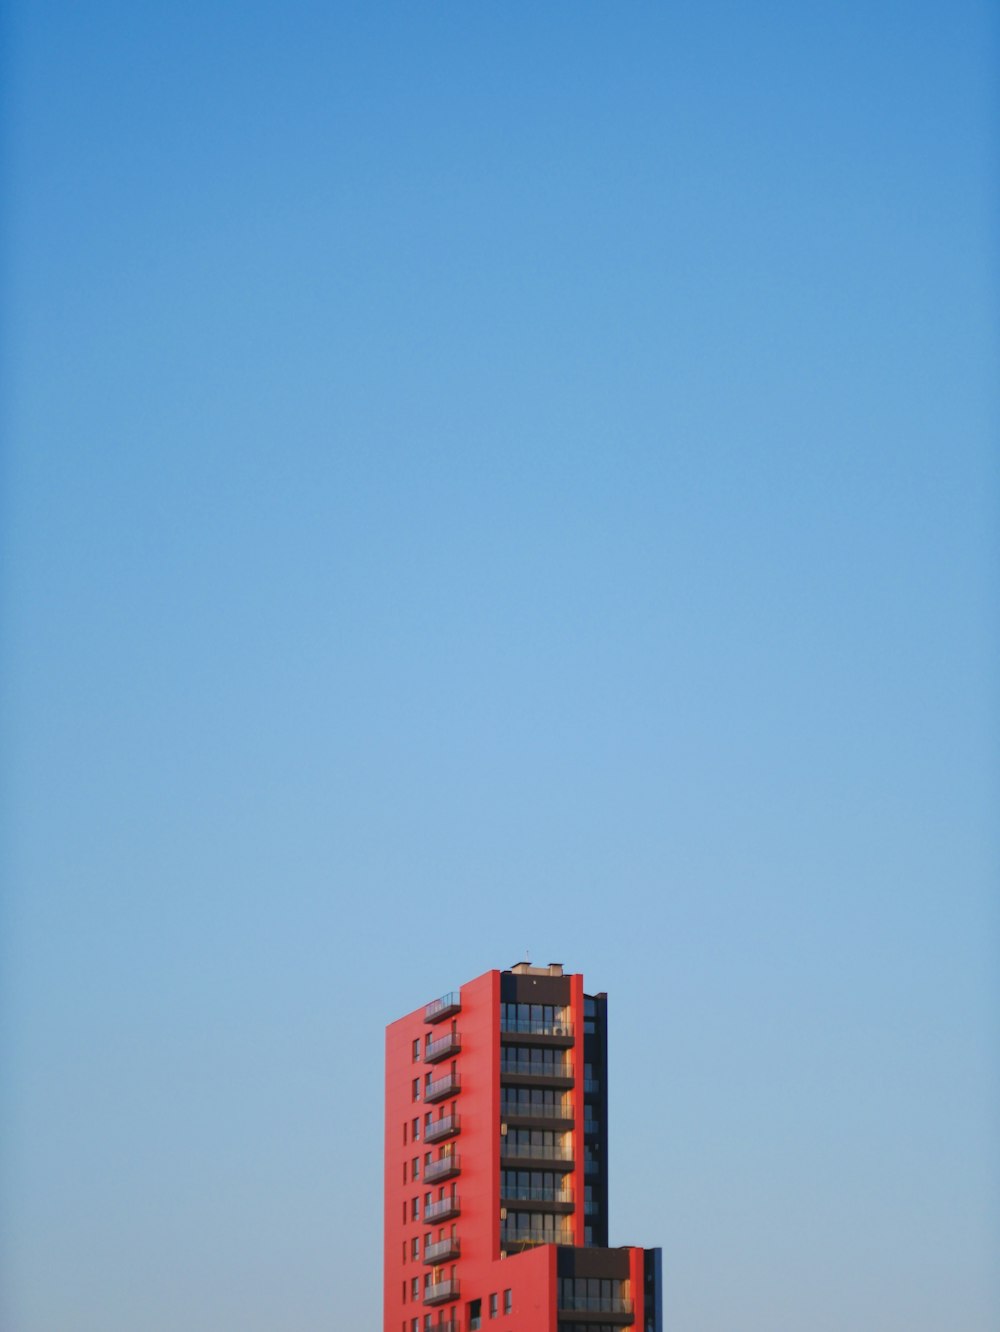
475	1314
592	1294
414	1209
404	1297
404	1135
415	1325
416	1089
415	1288
404	1251
415	1168
508	1301
415	1248
493	1306
404	1172
416	1130
416	1050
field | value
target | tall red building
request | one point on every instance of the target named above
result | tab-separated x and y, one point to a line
496	1165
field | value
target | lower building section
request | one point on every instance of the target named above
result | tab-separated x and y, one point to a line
548	1288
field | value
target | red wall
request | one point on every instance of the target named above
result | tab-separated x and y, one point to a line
529	1276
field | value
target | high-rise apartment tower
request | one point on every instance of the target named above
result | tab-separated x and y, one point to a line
496	1165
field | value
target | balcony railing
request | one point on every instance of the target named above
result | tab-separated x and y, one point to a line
529	1027
441	1008
530	1151
530	1194
443	1250
525	1068
523	1239
594	1304
443	1168
443	1047
443	1209
446	1127
440	1292
442	1087
527	1110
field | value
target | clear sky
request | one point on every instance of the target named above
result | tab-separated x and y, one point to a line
484	478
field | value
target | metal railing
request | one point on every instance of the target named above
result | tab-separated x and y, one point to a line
534	1151
440	1128
528	1193
531	1027
441	1087
594	1304
442	1167
443	1046
437	1008
527	1068
444	1207
512	1239
442	1250
436	1292
527	1110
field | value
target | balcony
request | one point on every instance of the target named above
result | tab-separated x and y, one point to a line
440	1292
525	1110
442	1047
536	1075
595	1309
438	1009
517	1152
528	1194
536	1032
439	1129
445	1167
515	1240
442	1210
448	1085
443	1250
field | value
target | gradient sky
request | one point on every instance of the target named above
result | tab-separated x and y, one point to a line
486	478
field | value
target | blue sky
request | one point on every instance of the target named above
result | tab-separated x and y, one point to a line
483	479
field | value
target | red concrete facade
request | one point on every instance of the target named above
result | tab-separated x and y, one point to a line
449	1264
